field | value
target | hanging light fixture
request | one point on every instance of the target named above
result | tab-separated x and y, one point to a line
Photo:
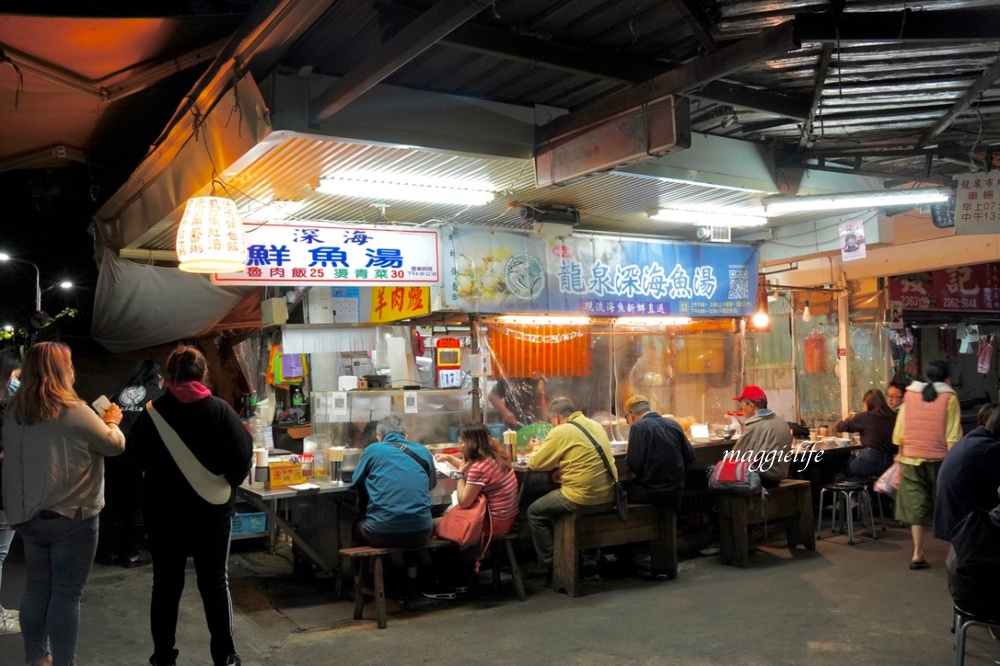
761	320
807	316
210	237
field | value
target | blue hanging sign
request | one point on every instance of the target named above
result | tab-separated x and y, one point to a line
502	272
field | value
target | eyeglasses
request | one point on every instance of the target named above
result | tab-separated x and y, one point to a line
894	396
629	417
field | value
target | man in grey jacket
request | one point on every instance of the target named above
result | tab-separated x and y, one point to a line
764	432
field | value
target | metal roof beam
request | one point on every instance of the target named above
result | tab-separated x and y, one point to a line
699	22
787	161
984	83
610	66
821	70
755	99
411	41
119	84
959	25
717	65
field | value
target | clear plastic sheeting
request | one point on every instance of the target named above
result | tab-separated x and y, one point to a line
770	359
248	356
690	372
869	339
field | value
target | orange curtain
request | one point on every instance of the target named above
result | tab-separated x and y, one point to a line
524	350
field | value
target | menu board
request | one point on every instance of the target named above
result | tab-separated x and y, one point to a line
975	288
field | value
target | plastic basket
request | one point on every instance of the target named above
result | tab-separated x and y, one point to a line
249	523
496	432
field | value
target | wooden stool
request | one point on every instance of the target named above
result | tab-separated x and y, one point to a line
365	554
508	542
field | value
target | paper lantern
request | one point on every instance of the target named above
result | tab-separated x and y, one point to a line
210	237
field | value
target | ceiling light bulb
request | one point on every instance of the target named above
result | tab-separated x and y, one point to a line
807	316
408	188
718	216
783	205
760	319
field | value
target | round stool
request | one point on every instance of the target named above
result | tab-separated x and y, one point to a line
963	621
844	493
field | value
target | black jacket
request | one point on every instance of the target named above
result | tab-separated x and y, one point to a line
218	439
658	453
968	479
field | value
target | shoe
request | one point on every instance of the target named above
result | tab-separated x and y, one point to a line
439	592
710	550
139	558
234	660
642	561
10	621
590	572
994	633
919	564
44	661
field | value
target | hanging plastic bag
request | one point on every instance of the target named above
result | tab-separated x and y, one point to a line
985	355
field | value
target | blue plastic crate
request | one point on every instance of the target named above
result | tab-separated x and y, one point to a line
496	432
245	524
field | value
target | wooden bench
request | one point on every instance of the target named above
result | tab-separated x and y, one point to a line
789	502
575	532
361	556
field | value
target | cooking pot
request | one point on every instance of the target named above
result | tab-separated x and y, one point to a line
351	458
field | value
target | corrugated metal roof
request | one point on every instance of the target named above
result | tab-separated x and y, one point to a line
612	202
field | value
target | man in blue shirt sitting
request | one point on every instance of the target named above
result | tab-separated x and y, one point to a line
397	476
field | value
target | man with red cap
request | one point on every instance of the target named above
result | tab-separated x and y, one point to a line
763	431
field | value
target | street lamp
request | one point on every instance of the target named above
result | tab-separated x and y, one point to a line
38	278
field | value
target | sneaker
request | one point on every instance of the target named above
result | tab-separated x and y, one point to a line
439	592
710	550
10	621
590	572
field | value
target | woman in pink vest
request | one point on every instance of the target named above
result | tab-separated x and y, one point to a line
928	426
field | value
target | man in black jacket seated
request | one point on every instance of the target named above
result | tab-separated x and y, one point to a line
658	453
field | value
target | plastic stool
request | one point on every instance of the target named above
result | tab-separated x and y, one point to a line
963	621
844	492
870	483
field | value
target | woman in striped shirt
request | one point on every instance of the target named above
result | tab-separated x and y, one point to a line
485	469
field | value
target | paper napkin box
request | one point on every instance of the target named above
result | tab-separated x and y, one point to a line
283	474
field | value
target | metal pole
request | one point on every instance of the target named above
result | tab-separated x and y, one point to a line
38	288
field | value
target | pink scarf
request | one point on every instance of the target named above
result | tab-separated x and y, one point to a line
187	392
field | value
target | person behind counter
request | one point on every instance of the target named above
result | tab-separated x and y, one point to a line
53	490
875	425
585	486
397	475
194	452
520	402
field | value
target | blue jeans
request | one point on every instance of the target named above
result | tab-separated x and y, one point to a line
58	554
868	463
6	536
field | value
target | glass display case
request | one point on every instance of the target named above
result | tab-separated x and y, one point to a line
348	418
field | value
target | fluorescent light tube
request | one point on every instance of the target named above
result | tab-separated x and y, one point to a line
782	205
652	321
544	320
365	185
717	216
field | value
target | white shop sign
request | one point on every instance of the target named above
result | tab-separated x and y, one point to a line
297	252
